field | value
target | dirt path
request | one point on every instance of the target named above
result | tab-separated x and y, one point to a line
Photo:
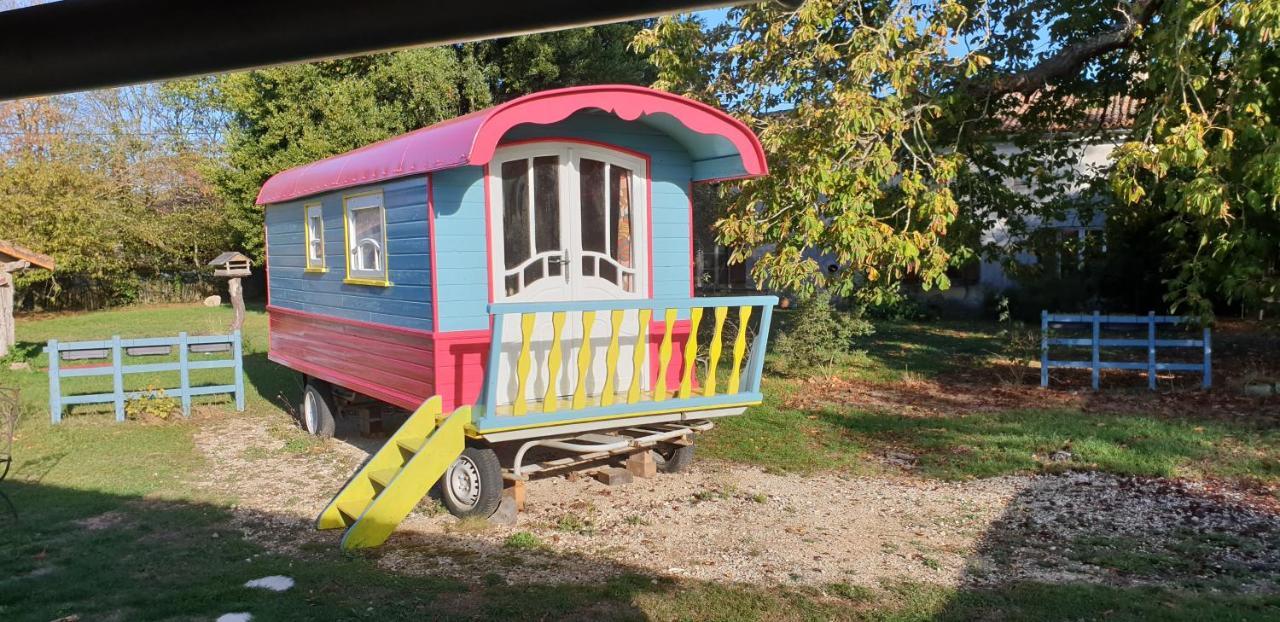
734	523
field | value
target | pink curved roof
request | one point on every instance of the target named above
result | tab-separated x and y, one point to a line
472	139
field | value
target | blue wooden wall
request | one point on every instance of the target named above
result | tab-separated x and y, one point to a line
407	303
460	219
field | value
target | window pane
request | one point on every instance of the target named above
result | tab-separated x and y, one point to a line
315	233
546	202
515	212
608	271
620	208
593	215
366	238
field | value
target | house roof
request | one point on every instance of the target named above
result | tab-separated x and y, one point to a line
708	133
10	251
1117	113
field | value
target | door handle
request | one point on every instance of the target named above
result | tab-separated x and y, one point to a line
563	260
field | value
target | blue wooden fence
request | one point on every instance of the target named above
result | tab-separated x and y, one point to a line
116	348
1151	321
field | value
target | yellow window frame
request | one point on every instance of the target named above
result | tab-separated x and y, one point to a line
312	266
346	241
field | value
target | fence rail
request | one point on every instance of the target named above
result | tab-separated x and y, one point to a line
116	349
1151	321
734	365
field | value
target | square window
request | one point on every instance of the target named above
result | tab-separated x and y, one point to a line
366	238
315	238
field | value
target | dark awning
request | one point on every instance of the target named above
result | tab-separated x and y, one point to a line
83	44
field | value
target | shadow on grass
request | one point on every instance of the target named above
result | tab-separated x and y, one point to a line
279	385
99	556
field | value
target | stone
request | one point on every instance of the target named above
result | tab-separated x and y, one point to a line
213	301
642	464
1060	456
506	515
275	583
613	476
20	366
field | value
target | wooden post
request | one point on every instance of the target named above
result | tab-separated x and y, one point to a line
1151	350
1207	382
55	381
117	375
236	292
1044	348
184	374
8	335
1097	336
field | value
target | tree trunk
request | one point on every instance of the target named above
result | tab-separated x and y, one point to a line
7	333
237	302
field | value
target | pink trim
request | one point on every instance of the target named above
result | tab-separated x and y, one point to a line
266	260
471	139
376	391
416	332
431	239
693	260
488	238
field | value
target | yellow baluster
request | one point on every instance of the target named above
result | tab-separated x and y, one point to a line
714	356
739	348
551	399
611	357
521	405
637	356
664	356
690	352
584	359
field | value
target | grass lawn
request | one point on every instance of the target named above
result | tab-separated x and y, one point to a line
112	528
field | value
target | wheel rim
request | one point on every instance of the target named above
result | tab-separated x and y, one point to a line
310	412
462	483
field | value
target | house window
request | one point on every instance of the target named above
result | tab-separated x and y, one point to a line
315	239
366	239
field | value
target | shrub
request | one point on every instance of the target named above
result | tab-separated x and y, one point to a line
524	541
151	405
816	334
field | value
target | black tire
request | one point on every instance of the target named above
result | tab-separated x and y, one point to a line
318	408
673	458
476	467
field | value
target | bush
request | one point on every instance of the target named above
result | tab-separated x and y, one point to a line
816	334
151	405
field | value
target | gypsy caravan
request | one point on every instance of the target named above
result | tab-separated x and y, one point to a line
519	278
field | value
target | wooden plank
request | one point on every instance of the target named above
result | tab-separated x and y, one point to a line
713	356
739	349
551	398
664	356
690	353
611	357
584	360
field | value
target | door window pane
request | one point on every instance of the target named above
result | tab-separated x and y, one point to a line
515	212
593	205
620	226
546	201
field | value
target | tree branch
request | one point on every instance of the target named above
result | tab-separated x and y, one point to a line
1135	14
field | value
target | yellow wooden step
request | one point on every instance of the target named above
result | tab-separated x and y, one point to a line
351	510
412	444
382	477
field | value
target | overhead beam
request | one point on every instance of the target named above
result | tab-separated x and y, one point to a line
84	44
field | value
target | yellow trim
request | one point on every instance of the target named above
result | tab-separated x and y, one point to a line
373	282
690	351
584	360
713	357
664	356
346	241
643	413
637	354
306	235
521	405
611	357
739	349
316	270
551	399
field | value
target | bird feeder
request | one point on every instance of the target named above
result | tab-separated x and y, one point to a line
233	266
13	259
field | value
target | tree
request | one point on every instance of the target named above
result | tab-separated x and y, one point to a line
286	116
601	54
881	118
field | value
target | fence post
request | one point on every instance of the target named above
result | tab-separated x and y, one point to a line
757	349
184	374
490	401
238	352
1151	350
117	375
1208	365
1044	348
1097	335
55	381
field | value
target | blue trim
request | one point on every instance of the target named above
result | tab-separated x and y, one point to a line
1095	343
118	396
639	408
506	308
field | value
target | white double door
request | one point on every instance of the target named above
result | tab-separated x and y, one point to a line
569	225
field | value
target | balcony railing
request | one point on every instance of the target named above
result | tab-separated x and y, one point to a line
559	367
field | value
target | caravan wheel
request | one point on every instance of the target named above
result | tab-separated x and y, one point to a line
317	408
472	485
